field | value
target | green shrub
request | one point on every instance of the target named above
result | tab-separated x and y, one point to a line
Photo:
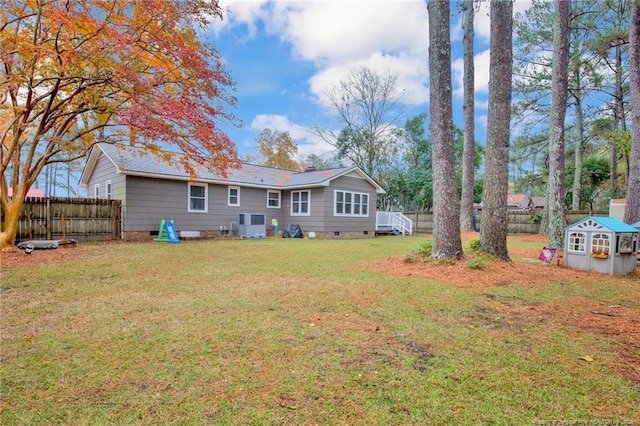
424	248
474	245
536	217
476	263
410	258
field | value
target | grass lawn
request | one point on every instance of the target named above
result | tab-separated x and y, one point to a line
296	331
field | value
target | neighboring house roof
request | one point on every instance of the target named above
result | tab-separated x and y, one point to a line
524	201
31	193
136	161
539	201
515	199
610	223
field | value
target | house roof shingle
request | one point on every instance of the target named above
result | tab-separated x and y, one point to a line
137	161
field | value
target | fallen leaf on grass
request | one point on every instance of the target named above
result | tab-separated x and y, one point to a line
284	404
587	358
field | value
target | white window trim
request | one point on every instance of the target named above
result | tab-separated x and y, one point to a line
206	198
108	190
601	241
96	190
308	213
273	191
229	196
573	235
335	203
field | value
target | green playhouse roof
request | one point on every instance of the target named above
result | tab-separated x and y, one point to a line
611	223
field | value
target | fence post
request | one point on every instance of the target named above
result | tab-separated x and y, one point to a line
48	218
115	219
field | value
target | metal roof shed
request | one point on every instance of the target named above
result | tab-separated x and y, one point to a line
601	244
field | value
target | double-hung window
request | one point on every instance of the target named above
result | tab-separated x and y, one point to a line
273	199
234	196
197	198
350	204
108	190
300	203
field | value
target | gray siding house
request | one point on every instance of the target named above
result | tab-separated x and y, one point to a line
335	203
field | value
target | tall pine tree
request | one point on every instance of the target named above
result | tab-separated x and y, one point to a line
493	233
466	205
446	213
632	209
556	207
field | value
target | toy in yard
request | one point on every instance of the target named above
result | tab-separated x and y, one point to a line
602	244
546	254
167	232
31	245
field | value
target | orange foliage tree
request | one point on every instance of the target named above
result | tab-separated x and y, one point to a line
278	149
77	72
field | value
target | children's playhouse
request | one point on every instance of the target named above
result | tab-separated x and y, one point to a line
601	244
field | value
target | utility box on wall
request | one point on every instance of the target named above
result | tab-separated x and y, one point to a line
252	225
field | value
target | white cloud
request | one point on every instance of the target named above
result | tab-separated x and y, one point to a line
387	36
481	122
480	74
482	19
240	13
411	72
337	36
482	23
336	32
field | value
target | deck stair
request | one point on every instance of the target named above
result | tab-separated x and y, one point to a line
393	223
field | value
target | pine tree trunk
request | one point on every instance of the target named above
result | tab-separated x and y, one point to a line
632	208
468	156
621	122
446	213
556	186
579	151
493	233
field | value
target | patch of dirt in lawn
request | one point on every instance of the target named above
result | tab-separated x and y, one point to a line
15	257
619	323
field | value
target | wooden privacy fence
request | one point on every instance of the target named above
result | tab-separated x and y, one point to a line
82	219
518	222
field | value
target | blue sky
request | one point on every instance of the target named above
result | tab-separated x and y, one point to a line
285	55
